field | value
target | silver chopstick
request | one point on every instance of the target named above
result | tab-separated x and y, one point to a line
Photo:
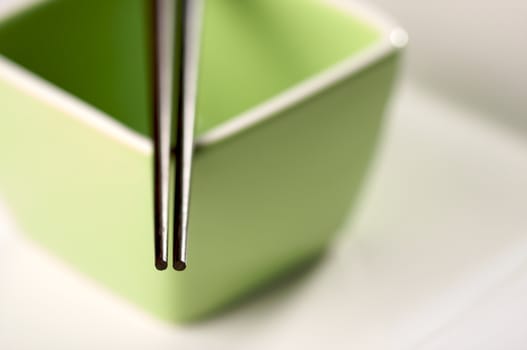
189	29
175	23
163	26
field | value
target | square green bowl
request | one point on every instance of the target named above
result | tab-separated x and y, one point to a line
291	97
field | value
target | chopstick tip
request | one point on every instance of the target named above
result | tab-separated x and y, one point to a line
179	265
161	264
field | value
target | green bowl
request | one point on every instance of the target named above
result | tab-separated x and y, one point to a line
291	97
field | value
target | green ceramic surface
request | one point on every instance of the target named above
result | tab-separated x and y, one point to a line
263	201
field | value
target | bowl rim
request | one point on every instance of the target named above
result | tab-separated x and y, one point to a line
392	38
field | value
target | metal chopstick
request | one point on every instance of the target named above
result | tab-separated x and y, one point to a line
189	30
163	26
173	26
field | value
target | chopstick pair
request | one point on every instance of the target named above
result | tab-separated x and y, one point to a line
175	38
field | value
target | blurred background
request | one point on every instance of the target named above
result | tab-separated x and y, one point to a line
472	52
434	257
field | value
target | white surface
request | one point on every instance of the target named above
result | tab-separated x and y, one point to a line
436	258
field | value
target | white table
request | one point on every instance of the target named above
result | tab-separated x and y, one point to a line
435	258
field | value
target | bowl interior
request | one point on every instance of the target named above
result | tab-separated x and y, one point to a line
251	51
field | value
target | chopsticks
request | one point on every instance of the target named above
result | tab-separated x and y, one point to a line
175	30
